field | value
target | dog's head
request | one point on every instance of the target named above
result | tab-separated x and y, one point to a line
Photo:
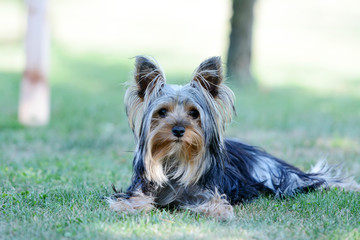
177	128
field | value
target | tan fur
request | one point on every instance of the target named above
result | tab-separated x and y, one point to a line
170	157
218	207
138	202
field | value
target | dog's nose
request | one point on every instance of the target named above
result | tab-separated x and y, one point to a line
178	131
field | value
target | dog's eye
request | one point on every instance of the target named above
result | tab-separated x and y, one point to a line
162	112
194	113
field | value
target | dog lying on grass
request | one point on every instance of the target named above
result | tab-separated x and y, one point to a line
182	158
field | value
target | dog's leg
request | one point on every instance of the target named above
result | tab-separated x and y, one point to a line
217	206
134	202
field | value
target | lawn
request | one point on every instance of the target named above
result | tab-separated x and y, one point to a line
305	108
52	178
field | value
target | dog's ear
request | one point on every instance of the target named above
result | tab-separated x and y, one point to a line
209	75
147	75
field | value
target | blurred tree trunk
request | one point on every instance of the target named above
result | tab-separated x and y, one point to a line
239	53
34	103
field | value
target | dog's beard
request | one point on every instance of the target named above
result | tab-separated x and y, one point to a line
168	157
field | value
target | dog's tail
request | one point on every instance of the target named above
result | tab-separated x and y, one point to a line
280	178
322	176
333	176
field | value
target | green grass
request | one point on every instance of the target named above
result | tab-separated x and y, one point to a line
52	178
306	59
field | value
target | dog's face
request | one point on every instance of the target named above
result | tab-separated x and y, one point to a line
175	139
175	128
175	125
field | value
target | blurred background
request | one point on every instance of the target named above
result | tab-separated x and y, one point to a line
307	43
305	62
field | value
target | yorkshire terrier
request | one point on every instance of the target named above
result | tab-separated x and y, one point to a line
182	158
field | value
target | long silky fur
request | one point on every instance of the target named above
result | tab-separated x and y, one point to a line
207	165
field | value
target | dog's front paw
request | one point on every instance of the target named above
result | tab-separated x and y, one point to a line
217	207
137	202
222	212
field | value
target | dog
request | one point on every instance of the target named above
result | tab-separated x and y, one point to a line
182	159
